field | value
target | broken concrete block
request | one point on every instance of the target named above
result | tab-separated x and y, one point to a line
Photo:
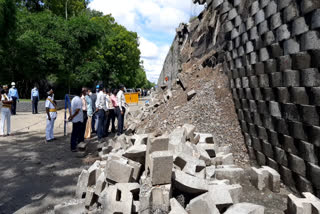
135	206
202	154
205	138
176	208
221	196
233	174
156	144
235	192
265	177
177	136
161	167
115	200
203	204
210	172
189	164
308	205
160	196
223	159
191	94
209	148
82	184
119	172
190	129
136	153
136	170
189	184
91	198
70	207
100	184
245	208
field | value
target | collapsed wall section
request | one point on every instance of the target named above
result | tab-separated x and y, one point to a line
272	56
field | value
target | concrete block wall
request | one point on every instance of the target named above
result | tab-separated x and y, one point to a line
273	59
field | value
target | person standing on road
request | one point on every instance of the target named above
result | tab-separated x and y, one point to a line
100	111
94	116
111	115
5	111
13	93
85	115
88	131
51	109
35	99
77	119
121	109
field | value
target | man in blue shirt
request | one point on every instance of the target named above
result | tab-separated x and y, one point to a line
13	93
35	99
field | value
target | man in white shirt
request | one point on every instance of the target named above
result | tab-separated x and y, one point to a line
100	112
121	109
111	115
51	109
5	111
77	119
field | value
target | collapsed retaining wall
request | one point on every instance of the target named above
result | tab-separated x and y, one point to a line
273	57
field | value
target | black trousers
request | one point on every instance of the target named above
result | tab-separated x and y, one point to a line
120	120
101	119
111	118
14	106
76	135
83	127
35	101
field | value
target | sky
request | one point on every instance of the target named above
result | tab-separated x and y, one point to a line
155	22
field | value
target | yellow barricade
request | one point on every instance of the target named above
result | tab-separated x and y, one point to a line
132	97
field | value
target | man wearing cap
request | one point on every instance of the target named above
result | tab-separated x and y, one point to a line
13	93
35	99
5	111
51	109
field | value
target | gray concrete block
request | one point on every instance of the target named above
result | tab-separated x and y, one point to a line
70	207
274	108
254	7
301	60
307	152
259	17
291	12
299	26
189	164
249	23
314	171
223	200
228	26
297	164
82	184
203	204
226	6
245	208
315	22
315	95
161	167
232	174
232	14
188	183
299	95
283	33
237	21
309	5
259	68
263	27
254	33
276	50
308	205
216	3
119	172
249	47
176	208
310	40
291	78
160	197
283	3
263	80
283	95
310	77
253	58
284	63
286	176
271	9
191	94
264	54
291	46
275	21
270	66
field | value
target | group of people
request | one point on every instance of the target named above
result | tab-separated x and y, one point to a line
90	113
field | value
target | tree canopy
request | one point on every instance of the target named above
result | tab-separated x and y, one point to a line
49	49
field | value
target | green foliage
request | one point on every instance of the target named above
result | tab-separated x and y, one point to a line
49	50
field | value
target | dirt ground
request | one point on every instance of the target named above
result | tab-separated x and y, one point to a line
36	175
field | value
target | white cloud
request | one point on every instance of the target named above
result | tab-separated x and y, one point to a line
150	18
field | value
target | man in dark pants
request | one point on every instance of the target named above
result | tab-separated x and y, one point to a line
13	93
121	109
85	115
100	112
93	97
77	119
35	99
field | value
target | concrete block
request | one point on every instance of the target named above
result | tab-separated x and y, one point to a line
310	41
253	58
310	77
249	47
117	171
286	176
245	208
315	22
259	17
232	174
176	208
283	33
315	95
191	94
291	12
254	33
291	112
276	50
308	205
274	109
309	5
276	21
301	60
70	207
297	164
136	152
291	78
189	164
203	204
285	62
90	198
308	152
82	184
210	172
283	95
161	167
249	23
162	144
206	138
291	46
223	199
314	171
299	95
254	7
136	170
101	184
234	33
269	38
160	197
190	129
115	200
276	79
263	80
232	14
259	68
189	184
264	54
271	9
299	26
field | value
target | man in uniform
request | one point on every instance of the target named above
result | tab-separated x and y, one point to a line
51	109
35	99
5	111
13	93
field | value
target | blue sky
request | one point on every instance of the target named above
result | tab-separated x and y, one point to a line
155	22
